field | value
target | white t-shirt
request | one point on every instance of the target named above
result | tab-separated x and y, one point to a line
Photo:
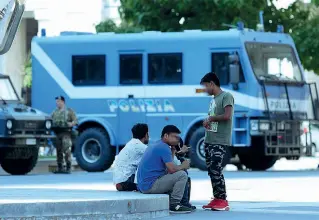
176	161
127	160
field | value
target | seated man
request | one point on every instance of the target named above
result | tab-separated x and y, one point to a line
129	157
152	176
179	152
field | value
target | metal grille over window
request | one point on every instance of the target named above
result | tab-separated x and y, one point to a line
89	70
131	68
165	68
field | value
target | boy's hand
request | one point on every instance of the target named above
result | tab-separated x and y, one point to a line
183	150
206	123
186	164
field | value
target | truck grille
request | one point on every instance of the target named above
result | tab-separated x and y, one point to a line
29	127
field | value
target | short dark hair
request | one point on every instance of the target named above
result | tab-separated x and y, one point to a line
60	98
210	77
139	130
170	129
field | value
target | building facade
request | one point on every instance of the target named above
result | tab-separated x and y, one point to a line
52	17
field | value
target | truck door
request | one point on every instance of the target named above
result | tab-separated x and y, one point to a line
164	71
220	65
131	109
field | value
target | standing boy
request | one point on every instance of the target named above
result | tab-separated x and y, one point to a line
218	136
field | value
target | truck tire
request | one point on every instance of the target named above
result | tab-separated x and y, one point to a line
254	157
19	166
93	151
197	154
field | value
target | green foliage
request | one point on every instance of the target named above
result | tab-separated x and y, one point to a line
168	15
27	81
106	26
306	38
110	26
316	2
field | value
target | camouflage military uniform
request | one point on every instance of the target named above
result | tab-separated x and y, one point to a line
60	118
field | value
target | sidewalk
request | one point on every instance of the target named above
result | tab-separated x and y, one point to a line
17	203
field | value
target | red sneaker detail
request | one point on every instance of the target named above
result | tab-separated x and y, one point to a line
119	187
220	205
210	204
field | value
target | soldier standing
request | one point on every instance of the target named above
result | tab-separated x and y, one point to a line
64	119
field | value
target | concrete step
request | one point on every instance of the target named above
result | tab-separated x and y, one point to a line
17	203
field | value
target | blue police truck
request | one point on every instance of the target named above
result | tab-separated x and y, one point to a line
116	80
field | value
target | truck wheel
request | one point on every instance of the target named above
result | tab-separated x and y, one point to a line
19	166
254	157
93	151
197	154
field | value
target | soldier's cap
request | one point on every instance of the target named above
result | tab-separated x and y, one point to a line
60	98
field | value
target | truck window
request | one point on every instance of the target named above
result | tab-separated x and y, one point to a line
165	68
220	66
88	70
131	68
274	60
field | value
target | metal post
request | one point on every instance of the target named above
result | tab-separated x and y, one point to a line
265	98
261	20
290	111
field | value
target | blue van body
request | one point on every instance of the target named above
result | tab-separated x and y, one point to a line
113	81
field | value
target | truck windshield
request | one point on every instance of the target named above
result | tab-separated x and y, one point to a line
273	61
7	92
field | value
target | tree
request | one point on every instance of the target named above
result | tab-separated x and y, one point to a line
306	39
106	26
27	80
110	26
168	15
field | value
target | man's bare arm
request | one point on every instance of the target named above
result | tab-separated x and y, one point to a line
172	168
224	117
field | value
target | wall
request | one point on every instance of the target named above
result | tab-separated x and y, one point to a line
54	16
14	60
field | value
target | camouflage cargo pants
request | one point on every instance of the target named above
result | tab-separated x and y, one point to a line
63	149
216	160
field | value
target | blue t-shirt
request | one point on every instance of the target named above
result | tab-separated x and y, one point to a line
152	165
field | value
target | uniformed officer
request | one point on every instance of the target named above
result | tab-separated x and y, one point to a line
64	119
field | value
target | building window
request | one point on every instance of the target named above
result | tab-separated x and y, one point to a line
88	70
165	68
220	66
131	69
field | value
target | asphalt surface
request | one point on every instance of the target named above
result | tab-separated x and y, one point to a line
289	191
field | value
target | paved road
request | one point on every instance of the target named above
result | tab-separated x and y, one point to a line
252	195
267	195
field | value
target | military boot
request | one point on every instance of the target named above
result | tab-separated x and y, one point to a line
59	170
68	168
